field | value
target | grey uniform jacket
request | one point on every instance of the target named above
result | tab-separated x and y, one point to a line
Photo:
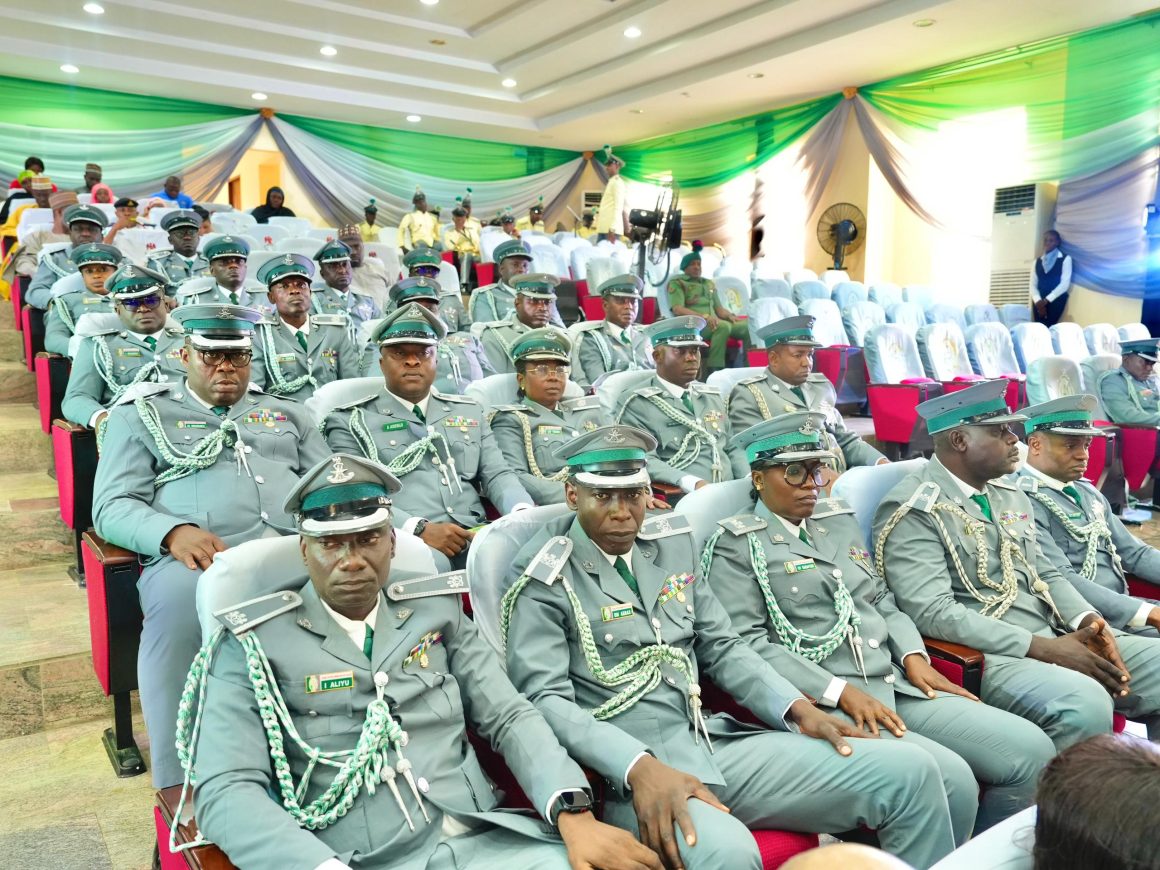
680	434
763	396
277	441
595	352
451	310
52	267
177	268
497	302
498	338
93	385
1107	590
198	291
280	362
358	306
802	582
547	663
63	313
527	433
436	489
1128	400
921	573
463	686
459	361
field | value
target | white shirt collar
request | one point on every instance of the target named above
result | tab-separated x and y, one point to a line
409	406
615	331
671	388
612	559
305	327
196	397
967	489
355	629
1043	478
141	336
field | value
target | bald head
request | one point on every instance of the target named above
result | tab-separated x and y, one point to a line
848	856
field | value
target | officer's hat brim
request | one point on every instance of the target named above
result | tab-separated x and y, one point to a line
598	480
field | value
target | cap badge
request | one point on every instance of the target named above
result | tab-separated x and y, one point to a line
339	473
614	436
225	239
224	313
129	273
808	428
422	282
288	259
691	322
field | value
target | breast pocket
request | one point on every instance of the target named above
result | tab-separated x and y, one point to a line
464	445
436	687
320	711
278	442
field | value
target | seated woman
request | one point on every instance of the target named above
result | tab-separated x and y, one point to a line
794	575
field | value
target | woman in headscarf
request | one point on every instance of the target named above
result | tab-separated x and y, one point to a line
103	194
274	207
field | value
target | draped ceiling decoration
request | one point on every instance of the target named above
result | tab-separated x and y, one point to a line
1082	109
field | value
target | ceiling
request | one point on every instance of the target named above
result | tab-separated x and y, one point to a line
580	82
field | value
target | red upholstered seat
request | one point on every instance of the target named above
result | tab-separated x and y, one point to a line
19	288
777	847
893	408
484	274
32	332
52	371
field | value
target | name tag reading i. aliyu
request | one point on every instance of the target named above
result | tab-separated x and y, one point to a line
799	565
329	682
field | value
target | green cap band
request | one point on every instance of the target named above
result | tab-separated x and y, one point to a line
964	416
595	457
754	450
409	328
788	335
218	324
343	494
1082	419
682	334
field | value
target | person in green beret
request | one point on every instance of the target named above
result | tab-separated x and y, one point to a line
418	227
226	283
533	221
692	294
535	296
463	241
85	224
77	296
368	229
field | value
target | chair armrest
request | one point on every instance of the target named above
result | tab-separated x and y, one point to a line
108	554
958	653
668	492
69	426
208	857
47	354
958	663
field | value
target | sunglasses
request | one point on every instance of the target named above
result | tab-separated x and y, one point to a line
150	301
426	271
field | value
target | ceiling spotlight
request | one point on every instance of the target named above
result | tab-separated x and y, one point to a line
328	50
259	96
429	2
69	68
94	8
415	119
756	76
632	32
637	111
508	83
923	22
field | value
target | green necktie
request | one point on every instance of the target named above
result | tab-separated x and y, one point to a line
301	336
368	641
624	339
220	410
1071	492
802	534
151	341
797	391
985	506
233	297
622	569
687	402
418	412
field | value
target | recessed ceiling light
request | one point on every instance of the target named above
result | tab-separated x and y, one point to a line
756	75
69	68
923	22
632	32
637	111
258	95
328	50
415	119
429	2
94	8
509	83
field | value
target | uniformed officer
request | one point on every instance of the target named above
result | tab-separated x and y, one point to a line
1131	393
686	417
535	296
958	548
184	261
497	301
369	273
462	239
460	356
119	351
418	226
85	225
691	294
72	300
797	582
368	230
541	418
188	469
439	443
612	215
335	292
296	352
424	262
606	631
614	344
534	219
226	283
789	385
472	223
1077	530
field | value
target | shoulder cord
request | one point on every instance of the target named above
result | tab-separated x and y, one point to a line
281	386
790	636
529	450
61	271
602	346
410	458
1133	396
103	363
445	352
367	764
1090	535
504	345
63	312
202	456
692	441
762	406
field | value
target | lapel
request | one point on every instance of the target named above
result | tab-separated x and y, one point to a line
785	392
312	617
314	341
190	401
649	576
949	490
390	634
824	544
588	556
389	406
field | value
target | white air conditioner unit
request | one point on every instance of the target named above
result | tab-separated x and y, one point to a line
1021	216
591	200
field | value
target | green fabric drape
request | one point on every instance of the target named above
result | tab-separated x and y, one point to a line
449	157
718	153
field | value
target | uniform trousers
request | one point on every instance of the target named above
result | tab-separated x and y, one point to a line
719	341
496	849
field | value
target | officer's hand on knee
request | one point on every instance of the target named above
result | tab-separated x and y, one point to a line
812	722
448	538
660	796
1071	651
921	675
593	845
867	711
192	546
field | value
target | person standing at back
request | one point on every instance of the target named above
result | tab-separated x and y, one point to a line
1050	281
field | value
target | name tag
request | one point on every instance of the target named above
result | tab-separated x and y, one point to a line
549	430
329	682
191	424
129	352
92	300
1078	515
394	427
286	357
611	612
799	565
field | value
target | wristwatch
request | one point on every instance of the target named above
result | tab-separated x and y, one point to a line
420	526
570	802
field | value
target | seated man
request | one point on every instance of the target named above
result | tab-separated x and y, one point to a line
440	443
188	469
1077	530
368	274
137	349
96	262
348	693
418	226
686	417
613	344
956	543
497	301
336	294
1131	393
228	284
535	296
424	262
828	624
462	240
789	385
85	224
608	633
296	352
534	219
184	261
694	296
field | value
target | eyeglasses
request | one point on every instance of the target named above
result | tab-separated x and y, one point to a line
238	358
426	271
184	232
150	301
543	370
796	473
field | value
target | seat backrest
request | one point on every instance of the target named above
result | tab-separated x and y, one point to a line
270	565
295	226
323	234
793	276
717	501
273	232
907	315
859	317
489	239
765	311
846	293
138	244
1133	332
885	294
1102	338
891	355
614	386
734	267
550	259
305	246
828	327
725	379
501	389
833	277
1031	340
386	254
733	293
490	559
329	396
769	288
864	486
711	258
990	350
985	313
1090	370
944	313
448	278
1013	313
599	269
31	220
803	290
1050	377
657	274
919	294
943	351
1067	339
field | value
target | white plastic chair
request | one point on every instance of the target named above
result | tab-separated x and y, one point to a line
386	254
1133	332
137	244
303	245
1102	338
833	277
793	276
326	234
1068	340
329	396
550	259
295	226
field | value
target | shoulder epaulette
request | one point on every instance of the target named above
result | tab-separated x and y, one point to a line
742	524
817	378
647	392
1084	483
158	255
174	331
354	403
516	409
580	403
830	507
704	389
328	320
553	556
1026	482
254	388
664	526
268	319
924	497
98	324
587	326
1002	483
248	615
142	390
454	397
751	379
485	287
449	583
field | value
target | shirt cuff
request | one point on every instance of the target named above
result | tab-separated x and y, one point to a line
410	523
552	800
1053	295
631	765
916	652
688	482
833	693
96	416
332	864
1141	617
1075	622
